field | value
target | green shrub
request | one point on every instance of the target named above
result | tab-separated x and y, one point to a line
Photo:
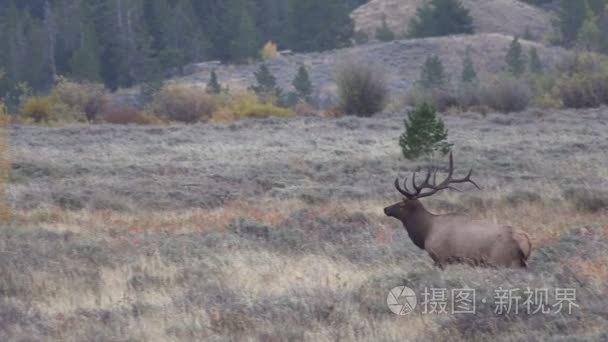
362	89
424	133
183	103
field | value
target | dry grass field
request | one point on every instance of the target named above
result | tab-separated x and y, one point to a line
272	230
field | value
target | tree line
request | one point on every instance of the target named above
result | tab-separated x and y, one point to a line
125	42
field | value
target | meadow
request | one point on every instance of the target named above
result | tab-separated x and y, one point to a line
273	230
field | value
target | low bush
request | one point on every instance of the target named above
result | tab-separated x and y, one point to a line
182	103
4	116
362	89
269	51
68	101
504	94
507	95
305	109
583	91
127	116
38	108
85	98
360	37
49	109
580	81
587	199
441	99
243	106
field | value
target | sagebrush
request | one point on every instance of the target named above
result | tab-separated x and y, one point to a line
362	89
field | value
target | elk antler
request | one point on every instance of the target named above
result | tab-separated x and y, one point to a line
433	186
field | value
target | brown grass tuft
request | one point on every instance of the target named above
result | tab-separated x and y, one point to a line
126	116
5	162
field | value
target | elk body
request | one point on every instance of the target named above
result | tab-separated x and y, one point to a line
454	238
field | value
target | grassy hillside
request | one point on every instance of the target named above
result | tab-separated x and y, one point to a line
502	16
401	60
273	230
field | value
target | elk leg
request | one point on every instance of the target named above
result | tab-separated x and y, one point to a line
435	258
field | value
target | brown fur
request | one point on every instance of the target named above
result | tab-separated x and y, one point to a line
458	239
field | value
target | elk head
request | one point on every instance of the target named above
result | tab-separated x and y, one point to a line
411	204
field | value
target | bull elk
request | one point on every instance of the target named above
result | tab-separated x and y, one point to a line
455	238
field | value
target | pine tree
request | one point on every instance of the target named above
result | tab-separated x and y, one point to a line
572	14
384	33
213	86
266	81
589	35
186	39
424	134
302	84
85	63
440	18
515	59
12	45
316	25
246	42
266	84
536	66
432	74
127	42
603	26
116	54
469	75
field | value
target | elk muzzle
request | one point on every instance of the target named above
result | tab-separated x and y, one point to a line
391	210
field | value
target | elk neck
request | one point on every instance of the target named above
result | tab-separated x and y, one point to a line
418	223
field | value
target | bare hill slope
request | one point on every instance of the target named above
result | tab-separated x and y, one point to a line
503	16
